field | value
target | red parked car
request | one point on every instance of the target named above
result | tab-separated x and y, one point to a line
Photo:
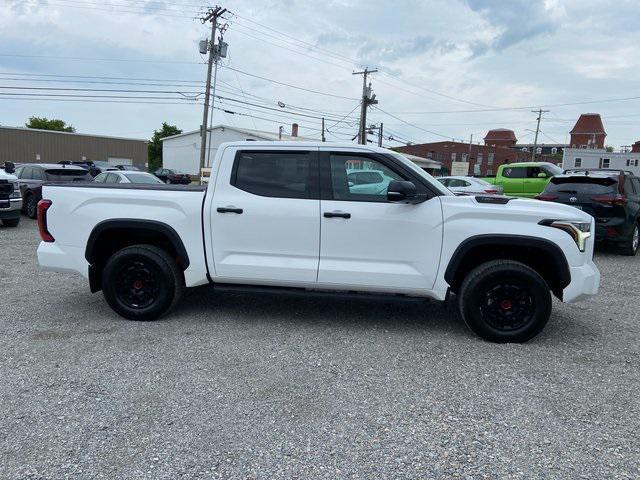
172	176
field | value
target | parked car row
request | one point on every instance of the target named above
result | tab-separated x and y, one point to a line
30	178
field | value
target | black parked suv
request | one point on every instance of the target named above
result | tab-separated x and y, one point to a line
612	197
32	176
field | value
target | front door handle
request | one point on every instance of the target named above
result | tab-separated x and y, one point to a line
337	214
229	210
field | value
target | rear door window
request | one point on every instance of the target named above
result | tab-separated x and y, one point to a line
514	172
275	174
36	174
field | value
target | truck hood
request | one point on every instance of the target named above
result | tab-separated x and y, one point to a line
7	176
514	209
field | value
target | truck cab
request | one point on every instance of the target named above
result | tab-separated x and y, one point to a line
524	179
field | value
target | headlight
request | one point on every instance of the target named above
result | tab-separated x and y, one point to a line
16	191
579	231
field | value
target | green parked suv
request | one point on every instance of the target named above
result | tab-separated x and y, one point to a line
526	179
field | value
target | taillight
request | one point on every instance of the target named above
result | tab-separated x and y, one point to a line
491	191
547	197
610	199
43	206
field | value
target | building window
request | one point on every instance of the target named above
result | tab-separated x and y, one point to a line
628	162
490	158
480	157
453	156
577	163
605	163
489	172
464	157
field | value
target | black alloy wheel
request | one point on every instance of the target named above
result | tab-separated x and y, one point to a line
505	301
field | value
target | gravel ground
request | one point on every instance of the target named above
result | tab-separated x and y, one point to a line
233	386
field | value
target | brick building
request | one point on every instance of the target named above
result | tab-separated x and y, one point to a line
482	159
588	132
500	137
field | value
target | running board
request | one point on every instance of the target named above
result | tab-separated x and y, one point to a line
305	292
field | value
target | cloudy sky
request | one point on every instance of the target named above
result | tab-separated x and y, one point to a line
447	69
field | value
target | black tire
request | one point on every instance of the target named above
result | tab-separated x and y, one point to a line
631	246
11	222
31	206
505	301
142	282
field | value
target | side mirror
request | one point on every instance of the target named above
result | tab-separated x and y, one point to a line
9	167
542	175
401	191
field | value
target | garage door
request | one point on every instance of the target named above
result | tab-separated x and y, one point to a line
120	161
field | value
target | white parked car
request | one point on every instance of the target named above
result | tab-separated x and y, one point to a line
373	182
285	216
470	186
127	176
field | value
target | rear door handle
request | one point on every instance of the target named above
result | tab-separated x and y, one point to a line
229	210
337	214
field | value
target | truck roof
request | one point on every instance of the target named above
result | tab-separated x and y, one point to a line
527	164
296	144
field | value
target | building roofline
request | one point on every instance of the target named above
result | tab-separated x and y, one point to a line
248	131
26	129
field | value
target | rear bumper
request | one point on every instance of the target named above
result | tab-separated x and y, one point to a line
52	256
585	281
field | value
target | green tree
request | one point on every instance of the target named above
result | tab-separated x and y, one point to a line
609	148
44	123
155	145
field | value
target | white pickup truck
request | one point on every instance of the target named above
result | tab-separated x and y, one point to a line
285	216
10	197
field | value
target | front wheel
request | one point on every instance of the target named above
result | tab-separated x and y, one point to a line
505	301
142	282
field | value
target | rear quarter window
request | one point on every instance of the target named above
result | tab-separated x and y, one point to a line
66	175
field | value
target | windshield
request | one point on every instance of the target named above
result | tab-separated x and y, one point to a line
553	169
432	181
142	178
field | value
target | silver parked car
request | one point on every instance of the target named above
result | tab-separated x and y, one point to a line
470	186
127	176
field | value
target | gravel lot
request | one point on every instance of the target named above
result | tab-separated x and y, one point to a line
234	386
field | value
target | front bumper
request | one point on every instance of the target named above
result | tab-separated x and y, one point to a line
15	207
585	281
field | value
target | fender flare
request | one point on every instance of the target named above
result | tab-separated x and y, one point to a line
139	225
559	258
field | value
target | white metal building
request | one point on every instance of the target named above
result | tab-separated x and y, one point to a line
600	158
182	152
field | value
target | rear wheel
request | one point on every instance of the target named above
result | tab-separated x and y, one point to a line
631	246
11	222
142	282
505	301
31	206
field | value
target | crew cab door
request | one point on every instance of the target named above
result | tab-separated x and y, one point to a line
513	179
265	217
368	243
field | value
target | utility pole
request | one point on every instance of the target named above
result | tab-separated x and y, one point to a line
323	137
211	16
535	140
380	134
367	99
